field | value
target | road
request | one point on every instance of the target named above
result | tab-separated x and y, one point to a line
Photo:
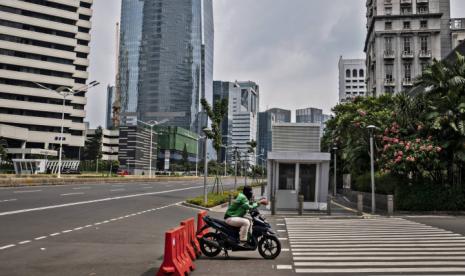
90	229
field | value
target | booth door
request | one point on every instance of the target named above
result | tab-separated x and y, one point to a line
287	192
308	185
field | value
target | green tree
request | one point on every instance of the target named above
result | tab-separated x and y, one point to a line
3	154
216	115
93	146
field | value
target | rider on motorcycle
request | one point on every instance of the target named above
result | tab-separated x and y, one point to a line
238	209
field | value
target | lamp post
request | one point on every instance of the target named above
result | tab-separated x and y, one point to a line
335	171
197	156
151	124
65	92
205	174
372	129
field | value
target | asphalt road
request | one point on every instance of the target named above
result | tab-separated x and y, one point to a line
90	229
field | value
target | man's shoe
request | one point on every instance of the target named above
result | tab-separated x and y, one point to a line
244	244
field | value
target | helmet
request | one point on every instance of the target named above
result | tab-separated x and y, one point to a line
247	191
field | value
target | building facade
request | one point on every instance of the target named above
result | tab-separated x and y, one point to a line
458	31
403	37
309	115
173	143
109	110
166	61
280	115
134	149
110	143
351	78
265	123
44	42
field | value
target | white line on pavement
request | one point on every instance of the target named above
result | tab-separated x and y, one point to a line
8	200
28	191
40	238
66	231
70	194
54	234
24	242
81	188
7	246
77	228
280	267
95	201
372	264
380	258
358	271
117	190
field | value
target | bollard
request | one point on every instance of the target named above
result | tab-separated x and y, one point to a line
273	205
301	205
328	209
390	205
360	204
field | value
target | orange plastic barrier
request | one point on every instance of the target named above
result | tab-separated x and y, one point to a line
201	223
192	242
176	260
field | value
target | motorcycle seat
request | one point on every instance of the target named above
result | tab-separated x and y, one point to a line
223	223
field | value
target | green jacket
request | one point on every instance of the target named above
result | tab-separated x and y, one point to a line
239	207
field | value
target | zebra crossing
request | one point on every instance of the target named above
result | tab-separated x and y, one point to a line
382	246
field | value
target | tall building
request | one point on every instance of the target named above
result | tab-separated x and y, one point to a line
109	110
458	31
280	115
403	37
166	61
309	115
45	42
110	142
134	149
351	78
264	134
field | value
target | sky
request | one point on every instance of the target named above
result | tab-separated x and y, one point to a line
290	48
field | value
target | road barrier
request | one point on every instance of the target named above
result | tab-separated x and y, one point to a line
182	247
201	224
192	243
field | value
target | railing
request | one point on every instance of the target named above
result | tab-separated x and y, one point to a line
457	23
389	82
422	1
405	1
389	54
407	54
425	54
407	82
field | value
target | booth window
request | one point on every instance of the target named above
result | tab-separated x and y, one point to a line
287	176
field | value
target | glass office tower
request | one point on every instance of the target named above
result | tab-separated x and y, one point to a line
166	61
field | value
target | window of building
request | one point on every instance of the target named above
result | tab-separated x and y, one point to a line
422	9
407	44
347	87
406	10
347	73
424	44
424	66
388	68
347	80
388	10
407	25
287	176
388	45
388	25
354	73
408	72
361	73
424	24
354	87
389	90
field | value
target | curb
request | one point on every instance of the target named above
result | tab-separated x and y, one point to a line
204	208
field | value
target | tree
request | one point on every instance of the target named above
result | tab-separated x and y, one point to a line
216	115
3	153
185	158
93	146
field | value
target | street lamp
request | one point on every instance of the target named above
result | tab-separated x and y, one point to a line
205	174
372	129
335	171
65	92
151	124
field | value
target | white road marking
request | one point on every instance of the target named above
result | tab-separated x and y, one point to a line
54	234
40	238
282	239
117	190
66	231
95	201
280	224
383	270
280	230
379	258
8	200
71	194
97	223
81	188
77	228
88	225
24	242
282	267
27	191
7	246
284	249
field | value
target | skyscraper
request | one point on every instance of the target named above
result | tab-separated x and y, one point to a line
109	111
280	115
45	42
309	115
166	61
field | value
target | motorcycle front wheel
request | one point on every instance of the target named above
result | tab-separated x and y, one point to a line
269	247
207	245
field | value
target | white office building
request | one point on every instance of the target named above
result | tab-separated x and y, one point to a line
351	79
109	144
45	42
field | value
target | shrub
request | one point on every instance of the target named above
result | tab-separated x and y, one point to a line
384	183
429	197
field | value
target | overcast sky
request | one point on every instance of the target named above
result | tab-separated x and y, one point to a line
289	47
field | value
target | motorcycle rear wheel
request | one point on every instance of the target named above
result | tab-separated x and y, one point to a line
207	249
269	247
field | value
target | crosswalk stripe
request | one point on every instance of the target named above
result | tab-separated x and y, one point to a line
379	246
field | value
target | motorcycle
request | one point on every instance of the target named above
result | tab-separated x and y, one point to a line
226	237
